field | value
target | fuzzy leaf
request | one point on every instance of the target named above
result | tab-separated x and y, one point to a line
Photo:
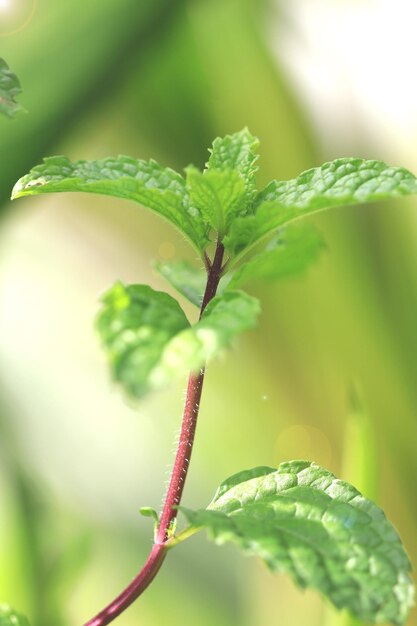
160	189
218	195
303	521
237	152
188	280
135	325
9	90
341	182
224	318
9	617
150	343
290	253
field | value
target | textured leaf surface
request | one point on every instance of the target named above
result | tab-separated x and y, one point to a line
146	182
291	252
149	340
9	90
341	182
237	152
218	195
9	617
303	521
135	325
224	318
188	280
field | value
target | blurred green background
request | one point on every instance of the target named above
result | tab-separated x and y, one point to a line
314	80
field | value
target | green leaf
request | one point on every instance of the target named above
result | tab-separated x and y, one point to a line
224	318
289	253
303	521
240	477
160	189
148	511
188	280
226	188
341	182
149	341
237	152
9	617
218	195
9	89
135	325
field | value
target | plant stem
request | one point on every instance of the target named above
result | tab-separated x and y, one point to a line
178	476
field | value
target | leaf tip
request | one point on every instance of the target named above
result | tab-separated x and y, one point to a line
148	511
18	190
25	187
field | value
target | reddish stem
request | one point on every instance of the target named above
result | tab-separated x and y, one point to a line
133	591
179	473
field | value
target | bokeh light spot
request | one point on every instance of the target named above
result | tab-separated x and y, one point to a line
15	15
166	250
303	442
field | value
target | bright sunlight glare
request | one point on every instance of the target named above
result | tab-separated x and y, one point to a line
4	4
351	60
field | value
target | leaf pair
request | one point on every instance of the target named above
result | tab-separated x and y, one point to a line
321	531
222	202
149	340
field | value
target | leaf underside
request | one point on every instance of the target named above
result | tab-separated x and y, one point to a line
9	617
303	521
150	342
9	90
289	253
188	280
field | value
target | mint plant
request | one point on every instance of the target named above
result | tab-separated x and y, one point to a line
9	90
299	518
